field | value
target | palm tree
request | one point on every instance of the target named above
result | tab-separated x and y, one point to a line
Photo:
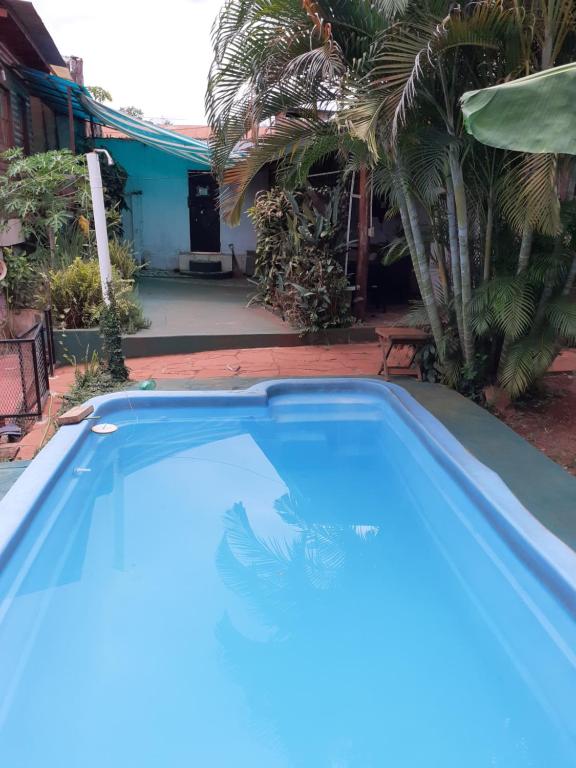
489	237
291	62
410	110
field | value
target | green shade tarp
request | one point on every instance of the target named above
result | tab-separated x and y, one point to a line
195	151
535	114
58	93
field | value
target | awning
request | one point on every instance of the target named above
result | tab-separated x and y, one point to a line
535	114
56	92
194	151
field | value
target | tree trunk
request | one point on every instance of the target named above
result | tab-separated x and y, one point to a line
570	279
525	250
363	246
425	282
488	241
409	237
454	256
463	236
439	256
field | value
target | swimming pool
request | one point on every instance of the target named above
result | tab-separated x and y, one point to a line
301	575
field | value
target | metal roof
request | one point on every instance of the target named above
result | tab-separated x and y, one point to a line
33	27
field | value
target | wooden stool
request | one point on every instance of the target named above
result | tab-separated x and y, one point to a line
399	349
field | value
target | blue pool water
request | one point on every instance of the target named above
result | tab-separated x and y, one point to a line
295	580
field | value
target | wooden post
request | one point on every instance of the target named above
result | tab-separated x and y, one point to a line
361	295
72	138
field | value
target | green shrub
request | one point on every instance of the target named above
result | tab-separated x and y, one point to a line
25	282
76	296
300	237
111	332
90	380
122	257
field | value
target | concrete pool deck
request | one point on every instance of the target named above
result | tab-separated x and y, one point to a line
542	486
189	316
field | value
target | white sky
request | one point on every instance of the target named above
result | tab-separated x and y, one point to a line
151	54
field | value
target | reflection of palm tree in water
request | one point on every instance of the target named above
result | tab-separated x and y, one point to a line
303	680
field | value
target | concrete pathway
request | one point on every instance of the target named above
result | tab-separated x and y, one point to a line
179	306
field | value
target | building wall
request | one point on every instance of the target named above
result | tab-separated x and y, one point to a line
157	196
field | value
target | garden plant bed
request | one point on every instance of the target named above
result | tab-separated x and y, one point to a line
548	422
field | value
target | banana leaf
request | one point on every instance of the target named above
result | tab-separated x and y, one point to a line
535	114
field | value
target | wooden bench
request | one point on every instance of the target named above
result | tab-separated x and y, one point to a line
399	349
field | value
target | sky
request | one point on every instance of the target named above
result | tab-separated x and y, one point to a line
150	54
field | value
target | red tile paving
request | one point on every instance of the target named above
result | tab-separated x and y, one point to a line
274	362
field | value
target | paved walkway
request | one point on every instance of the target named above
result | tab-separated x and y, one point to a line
275	362
270	363
181	306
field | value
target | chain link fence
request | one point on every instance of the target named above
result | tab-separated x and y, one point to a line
25	364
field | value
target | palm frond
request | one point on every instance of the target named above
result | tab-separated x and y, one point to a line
527	360
528	194
561	316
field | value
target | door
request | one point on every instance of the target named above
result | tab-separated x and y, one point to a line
204	214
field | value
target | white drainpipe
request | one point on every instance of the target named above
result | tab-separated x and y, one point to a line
100	218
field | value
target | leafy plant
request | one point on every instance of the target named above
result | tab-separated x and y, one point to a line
91	379
122	258
46	191
24	285
298	273
99	94
133	112
111	332
77	297
376	85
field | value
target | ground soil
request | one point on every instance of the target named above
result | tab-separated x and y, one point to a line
548	420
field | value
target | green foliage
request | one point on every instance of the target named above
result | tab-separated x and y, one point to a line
133	112
114	178
76	295
90	380
299	239
491	233
122	258
99	94
24	285
111	332
46	191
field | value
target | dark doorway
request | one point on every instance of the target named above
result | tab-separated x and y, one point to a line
204	215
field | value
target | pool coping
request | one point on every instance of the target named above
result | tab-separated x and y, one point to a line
541	550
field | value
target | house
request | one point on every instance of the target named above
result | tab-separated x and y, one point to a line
172	213
27	119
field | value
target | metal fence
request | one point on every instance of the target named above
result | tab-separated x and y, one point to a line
25	364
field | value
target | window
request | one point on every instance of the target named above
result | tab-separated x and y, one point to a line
5	120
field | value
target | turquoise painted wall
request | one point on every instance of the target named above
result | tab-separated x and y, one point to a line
157	195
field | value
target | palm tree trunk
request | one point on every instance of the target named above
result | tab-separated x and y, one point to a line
454	256
425	280
439	257
363	246
569	284
525	250
409	236
463	237
488	241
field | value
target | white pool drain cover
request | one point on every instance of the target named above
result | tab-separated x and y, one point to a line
104	429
